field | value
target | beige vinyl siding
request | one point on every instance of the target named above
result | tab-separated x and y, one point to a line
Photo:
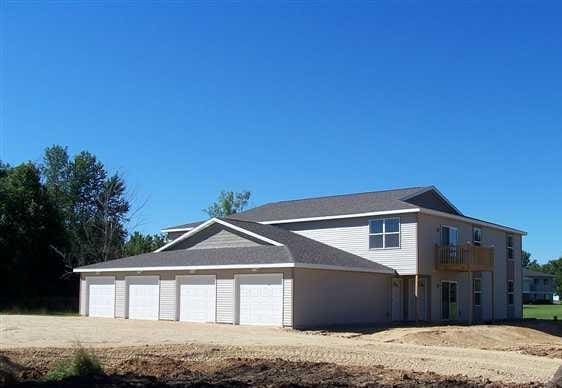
225	299
430	235
168	295
287	302
352	235
217	236
120	297
83	304
326	298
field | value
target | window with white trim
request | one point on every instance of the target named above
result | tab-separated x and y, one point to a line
476	236
510	292
384	233
477	289
509	245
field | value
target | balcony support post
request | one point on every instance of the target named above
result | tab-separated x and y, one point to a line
416	296
470	296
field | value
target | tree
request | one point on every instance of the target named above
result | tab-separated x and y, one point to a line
228	203
30	227
555	267
142	243
92	204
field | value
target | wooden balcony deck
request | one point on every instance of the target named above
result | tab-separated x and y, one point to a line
463	258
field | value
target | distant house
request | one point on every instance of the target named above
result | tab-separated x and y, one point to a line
538	287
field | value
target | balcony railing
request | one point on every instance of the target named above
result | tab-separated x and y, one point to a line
465	257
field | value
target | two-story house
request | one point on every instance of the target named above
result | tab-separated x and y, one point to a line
538	287
377	257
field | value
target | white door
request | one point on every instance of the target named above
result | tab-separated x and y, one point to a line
260	299
144	297
197	295
101	296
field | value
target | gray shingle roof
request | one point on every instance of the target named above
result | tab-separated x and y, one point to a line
295	249
531	273
327	206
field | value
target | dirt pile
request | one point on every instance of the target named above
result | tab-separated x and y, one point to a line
149	366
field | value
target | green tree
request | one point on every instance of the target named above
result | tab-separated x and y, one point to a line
555	267
92	204
142	243
30	229
228	203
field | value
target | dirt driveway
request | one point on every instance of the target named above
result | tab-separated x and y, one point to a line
392	348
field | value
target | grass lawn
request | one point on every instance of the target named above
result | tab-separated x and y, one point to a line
542	311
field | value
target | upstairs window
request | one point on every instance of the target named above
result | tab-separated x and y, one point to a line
384	233
509	244
449	236
476	236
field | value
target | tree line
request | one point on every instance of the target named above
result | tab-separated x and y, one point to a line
67	211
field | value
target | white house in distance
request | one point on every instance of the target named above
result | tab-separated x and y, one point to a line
538	287
357	259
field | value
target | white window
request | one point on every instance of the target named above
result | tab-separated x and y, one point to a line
510	292
509	244
477	287
476	236
384	233
449	236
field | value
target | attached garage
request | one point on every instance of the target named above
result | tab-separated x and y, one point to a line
144	297
197	298
101	296
260	299
240	272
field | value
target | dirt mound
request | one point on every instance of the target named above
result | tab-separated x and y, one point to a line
151	367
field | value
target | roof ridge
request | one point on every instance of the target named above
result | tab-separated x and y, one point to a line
346	195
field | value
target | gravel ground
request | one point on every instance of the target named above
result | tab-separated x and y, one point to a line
362	349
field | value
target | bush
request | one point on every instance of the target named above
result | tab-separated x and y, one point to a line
81	363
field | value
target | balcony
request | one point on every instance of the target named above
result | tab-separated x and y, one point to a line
463	258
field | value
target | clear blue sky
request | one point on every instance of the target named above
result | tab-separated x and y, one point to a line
297	100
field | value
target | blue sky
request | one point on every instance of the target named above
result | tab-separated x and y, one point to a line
296	100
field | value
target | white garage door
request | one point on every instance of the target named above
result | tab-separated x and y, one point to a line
260	299
144	297
101	296
197	295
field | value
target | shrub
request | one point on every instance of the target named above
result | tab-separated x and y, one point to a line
81	363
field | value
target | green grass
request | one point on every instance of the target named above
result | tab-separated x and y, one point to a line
82	363
542	311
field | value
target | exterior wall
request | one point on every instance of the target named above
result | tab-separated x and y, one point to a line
330	298
120	297
216	236
225	304
352	235
83	296
430	235
431	200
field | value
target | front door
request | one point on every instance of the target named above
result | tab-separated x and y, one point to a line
448	301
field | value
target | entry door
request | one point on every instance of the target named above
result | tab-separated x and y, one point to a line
144	297
197	298
397	300
449	301
260	299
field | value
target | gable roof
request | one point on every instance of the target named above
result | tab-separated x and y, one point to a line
288	250
336	205
536	274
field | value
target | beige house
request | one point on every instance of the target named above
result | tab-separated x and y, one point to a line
357	259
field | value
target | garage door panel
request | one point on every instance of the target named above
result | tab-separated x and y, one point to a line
144	297
260	299
197	298
101	296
